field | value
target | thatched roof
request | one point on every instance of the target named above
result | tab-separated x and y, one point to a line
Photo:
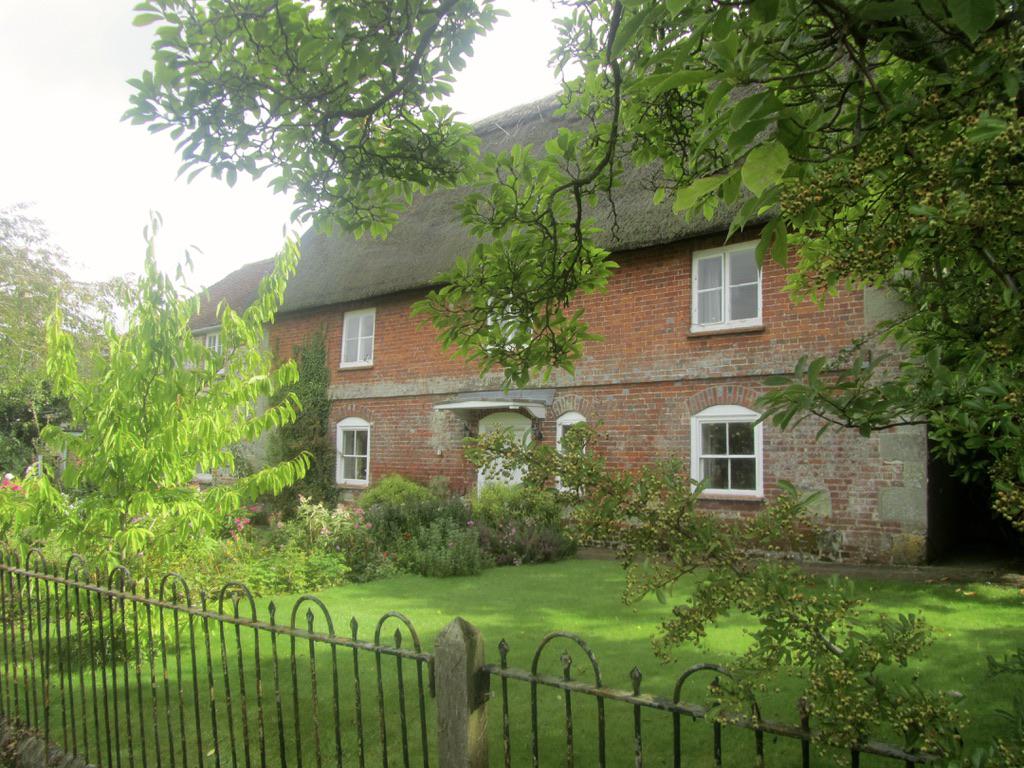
429	236
237	289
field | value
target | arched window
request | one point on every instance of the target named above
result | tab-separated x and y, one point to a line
564	423
725	451
353	464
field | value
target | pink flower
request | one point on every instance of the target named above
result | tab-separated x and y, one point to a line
470	523
368	526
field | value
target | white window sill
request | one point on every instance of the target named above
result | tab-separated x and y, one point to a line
355	366
723	328
353	483
724	495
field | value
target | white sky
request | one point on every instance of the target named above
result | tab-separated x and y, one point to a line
93	179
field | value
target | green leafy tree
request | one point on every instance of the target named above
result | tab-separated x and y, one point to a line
338	100
33	281
152	408
309	431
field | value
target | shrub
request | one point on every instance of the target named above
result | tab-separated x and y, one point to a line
342	532
422	530
445	548
285	567
515	543
398	508
497	504
521	524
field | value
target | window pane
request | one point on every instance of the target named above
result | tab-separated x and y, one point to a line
744	474
367	350
712	439
361	437
348	442
351	327
709	307
350	350
743	302
741	439
715	473
348	468
360	469
709	273
742	267
366	324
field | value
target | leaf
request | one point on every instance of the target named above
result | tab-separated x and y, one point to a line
680	78
628	31
973	16
144	19
765	10
988	128
687	197
765	166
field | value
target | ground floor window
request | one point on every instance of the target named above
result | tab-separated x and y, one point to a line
564	423
353	466
726	450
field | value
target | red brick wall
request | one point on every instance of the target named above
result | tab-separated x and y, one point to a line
643	317
641	384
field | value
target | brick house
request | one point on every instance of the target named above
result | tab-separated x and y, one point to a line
690	330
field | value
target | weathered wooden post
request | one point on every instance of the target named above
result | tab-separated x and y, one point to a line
462	687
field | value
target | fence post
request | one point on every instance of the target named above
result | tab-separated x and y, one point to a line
461	686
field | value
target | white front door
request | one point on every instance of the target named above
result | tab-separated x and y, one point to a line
521	428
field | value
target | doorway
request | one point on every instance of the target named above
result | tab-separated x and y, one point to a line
522	430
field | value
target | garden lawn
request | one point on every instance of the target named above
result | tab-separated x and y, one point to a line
519	605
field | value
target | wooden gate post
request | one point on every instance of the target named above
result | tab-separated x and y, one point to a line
461	686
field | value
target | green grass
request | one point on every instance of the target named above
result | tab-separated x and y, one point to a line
520	605
584	596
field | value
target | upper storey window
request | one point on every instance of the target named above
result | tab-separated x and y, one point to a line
357	338
726	288
212	341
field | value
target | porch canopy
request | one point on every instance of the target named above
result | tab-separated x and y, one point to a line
533	401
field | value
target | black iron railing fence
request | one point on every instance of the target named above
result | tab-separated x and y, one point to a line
126	673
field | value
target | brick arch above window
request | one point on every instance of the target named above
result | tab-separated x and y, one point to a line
571	404
343	410
720	394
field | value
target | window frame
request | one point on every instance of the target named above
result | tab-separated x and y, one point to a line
216	347
724	324
563	422
350	424
357	315
728	414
